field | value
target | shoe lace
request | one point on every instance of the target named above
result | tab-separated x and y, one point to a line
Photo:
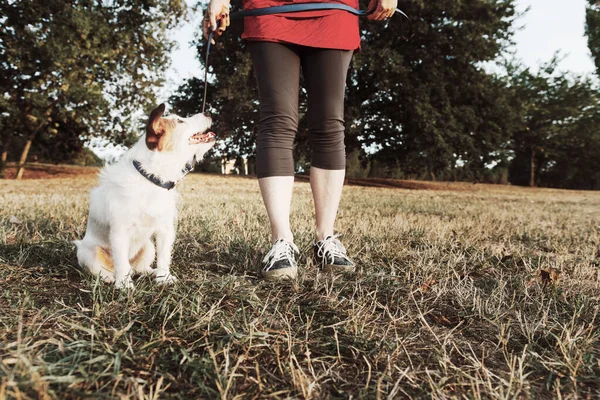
330	248
281	250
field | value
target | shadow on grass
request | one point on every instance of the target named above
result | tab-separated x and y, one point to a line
45	258
235	257
58	259
35	276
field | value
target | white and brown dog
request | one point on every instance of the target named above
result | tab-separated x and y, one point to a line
136	201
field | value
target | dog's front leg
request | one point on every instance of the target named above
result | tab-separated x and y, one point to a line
165	237
119	244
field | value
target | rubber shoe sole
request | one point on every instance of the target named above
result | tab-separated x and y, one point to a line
289	273
335	269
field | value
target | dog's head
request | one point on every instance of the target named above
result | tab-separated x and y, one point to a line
177	134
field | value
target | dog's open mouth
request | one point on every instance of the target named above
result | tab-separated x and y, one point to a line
202	138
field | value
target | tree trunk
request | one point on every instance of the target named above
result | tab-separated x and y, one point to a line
4	156
532	168
23	159
25	153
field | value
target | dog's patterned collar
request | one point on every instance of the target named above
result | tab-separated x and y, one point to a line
160	183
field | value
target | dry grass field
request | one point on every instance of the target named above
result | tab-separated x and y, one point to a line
462	291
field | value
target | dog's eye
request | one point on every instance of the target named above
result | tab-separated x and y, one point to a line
180	121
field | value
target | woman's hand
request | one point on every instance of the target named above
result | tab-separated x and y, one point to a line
217	10
383	9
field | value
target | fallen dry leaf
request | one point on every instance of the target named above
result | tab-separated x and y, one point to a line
428	283
546	277
441	319
550	276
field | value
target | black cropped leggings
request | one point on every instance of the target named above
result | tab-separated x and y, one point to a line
277	69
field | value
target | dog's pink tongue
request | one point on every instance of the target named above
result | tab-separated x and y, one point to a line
209	137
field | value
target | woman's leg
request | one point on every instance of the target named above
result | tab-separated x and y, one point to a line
277	70
276	192
326	185
325	73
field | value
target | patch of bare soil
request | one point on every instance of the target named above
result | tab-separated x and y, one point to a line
49	171
406	184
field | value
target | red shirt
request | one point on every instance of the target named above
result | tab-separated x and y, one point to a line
328	29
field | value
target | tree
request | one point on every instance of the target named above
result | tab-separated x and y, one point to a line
559	114
577	165
429	104
84	63
592	30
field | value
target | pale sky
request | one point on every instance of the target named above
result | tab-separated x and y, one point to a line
549	26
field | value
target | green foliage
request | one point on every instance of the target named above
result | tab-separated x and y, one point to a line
559	115
428	103
592	30
89	65
426	109
86	158
355	166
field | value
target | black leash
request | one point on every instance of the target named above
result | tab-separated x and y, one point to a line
291	8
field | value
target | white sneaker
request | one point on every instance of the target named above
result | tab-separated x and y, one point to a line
280	261
330	255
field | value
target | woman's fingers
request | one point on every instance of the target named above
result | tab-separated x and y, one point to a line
216	18
392	10
207	30
379	13
373	5
222	25
212	16
384	9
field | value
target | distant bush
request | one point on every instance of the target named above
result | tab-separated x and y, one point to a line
86	158
355	167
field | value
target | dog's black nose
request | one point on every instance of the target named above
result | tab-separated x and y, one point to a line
207	114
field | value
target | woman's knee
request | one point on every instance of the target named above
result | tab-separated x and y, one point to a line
274	145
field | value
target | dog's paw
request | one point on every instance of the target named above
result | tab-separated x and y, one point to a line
125	283
165	278
107	276
147	271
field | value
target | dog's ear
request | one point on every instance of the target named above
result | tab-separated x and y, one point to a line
154	130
